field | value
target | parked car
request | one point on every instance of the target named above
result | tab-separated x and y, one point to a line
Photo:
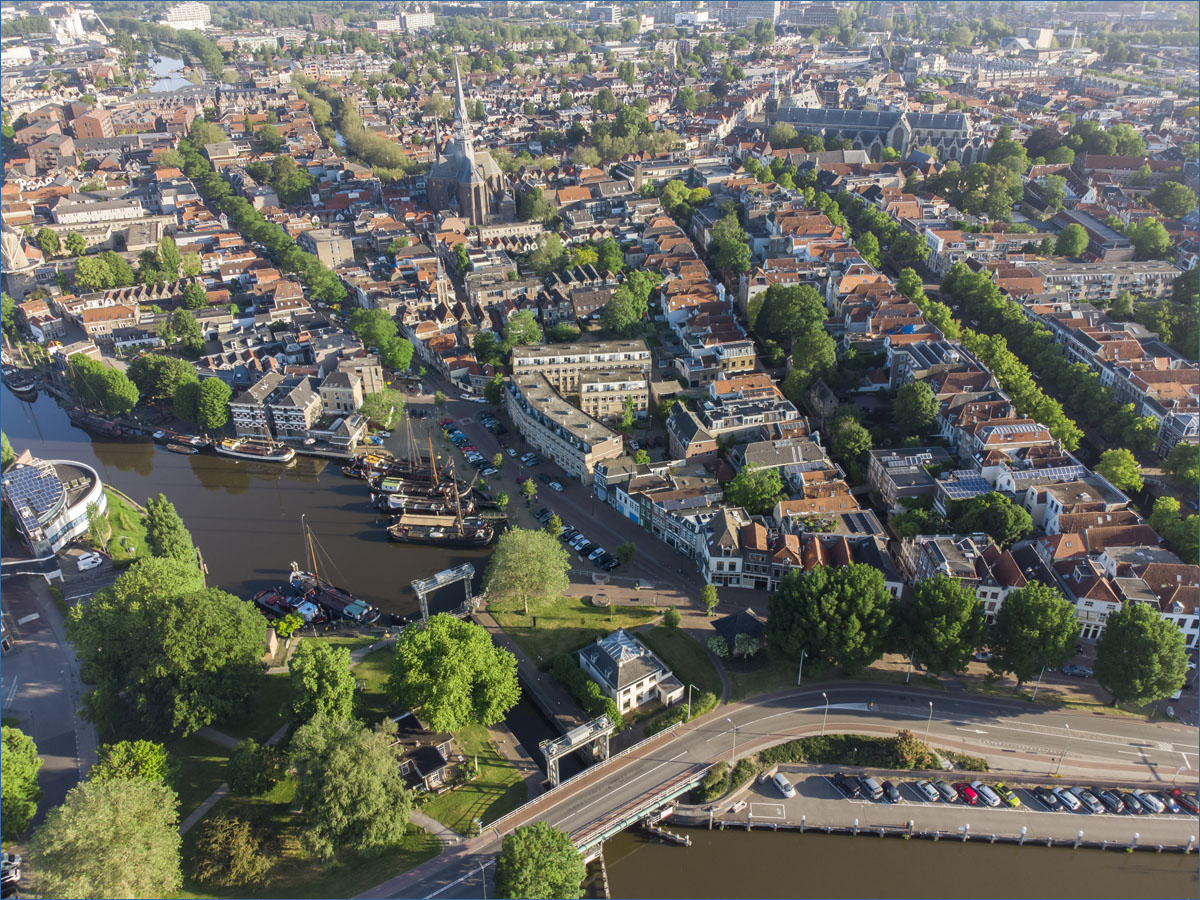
1186	801
542	514
870	787
986	794
1007	795
945	791
983	655
556	486
511	452
1148	800
1047	798
568	533
89	561
847	786
585	548
1167	800
1077	671
785	787
488	471
1112	803
610	565
927	790
1068	799
890	792
966	793
1090	800
596	554
543	478
1130	803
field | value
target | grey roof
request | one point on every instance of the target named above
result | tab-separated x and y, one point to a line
621	659
260	390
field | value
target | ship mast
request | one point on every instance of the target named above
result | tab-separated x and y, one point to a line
312	555
457	505
432	462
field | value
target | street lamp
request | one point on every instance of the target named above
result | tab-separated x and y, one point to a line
1065	751
689	712
482	878
1039	682
825	717
803	653
733	752
928	722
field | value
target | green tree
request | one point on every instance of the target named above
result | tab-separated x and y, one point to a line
163	650
915	408
186	400
641	457
75	245
98	527
451	672
7	454
439	399
498	460
231	852
1072	241
268	135
253	768
622	314
1150	240
994	515
1179	533
839	615
1173	199
384	407
91	274
942	625
627	414
522	329
851	442
1035	628
610	257
212	404
1183	464
321	682
8	316
708	596
462	260
19	791
156	375
868	248
1141	657
183	327
730	245
672	618
397	354
627	552
350	786
194	296
1121	468
166	534
486	347
755	490
47	242
169	258
110	839
539	862
134	759
527	569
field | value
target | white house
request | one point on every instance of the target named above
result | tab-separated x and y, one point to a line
628	672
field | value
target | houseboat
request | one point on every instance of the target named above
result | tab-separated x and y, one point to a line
262	451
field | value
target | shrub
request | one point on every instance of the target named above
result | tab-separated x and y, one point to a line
701	703
745	769
253	768
714	784
719	646
672	618
586	692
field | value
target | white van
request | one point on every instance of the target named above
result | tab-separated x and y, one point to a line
986	794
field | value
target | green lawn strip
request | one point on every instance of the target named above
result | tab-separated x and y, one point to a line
684	656
295	873
372	703
128	529
568	624
351	642
267	713
497	790
201	770
760	675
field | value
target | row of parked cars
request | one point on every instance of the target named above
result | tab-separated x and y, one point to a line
575	539
1096	800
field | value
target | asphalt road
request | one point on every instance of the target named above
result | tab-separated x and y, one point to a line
1016	738
42	690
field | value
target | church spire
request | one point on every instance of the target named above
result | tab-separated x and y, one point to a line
462	118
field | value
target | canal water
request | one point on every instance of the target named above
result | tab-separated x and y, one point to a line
167	75
735	863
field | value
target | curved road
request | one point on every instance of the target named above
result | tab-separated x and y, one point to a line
1016	737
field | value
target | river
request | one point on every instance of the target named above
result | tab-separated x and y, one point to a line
787	864
165	74
245	516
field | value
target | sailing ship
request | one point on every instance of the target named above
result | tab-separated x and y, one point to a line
102	427
248	448
336	601
449	529
23	384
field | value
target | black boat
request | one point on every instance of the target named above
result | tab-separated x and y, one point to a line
102	427
23	384
441	531
336	601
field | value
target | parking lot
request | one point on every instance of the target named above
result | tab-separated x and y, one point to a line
821	803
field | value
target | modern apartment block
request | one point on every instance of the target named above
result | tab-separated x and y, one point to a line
602	395
562	364
558	430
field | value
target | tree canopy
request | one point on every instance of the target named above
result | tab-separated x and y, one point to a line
915	408
942	624
19	791
453	675
134	759
1140	657
527	569
1121	468
321	681
1035	627
539	862
837	614
166	534
755	490
994	515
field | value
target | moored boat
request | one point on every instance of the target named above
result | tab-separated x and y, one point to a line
167	436
264	451
23	384
101	426
310	587
182	448
443	531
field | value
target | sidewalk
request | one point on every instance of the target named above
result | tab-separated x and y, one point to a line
510	748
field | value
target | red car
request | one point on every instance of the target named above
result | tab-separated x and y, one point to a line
1185	800
446	421
521	478
966	793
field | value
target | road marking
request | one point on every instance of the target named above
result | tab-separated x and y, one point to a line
632	781
777	814
25	620
971	730
12	692
1129	752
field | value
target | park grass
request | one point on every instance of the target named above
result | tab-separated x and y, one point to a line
295	873
266	714
201	770
372	703
498	789
351	642
568	624
685	657
127	540
760	675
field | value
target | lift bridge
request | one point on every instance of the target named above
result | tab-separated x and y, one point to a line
426	586
592	734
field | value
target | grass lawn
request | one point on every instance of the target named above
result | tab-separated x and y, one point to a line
568	624
684	656
351	642
761	675
372	703
267	713
296	874
499	789
128	538
201	770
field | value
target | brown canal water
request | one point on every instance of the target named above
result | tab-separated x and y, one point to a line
736	863
245	516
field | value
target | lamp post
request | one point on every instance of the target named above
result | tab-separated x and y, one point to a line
800	675
1039	682
689	712
928	722
732	752
482	878
825	717
1067	750
908	674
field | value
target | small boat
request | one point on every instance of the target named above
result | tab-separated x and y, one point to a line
275	603
167	436
443	531
23	384
247	448
311	588
101	426
396	503
182	448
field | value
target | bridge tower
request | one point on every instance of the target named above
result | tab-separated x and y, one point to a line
594	733
426	586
